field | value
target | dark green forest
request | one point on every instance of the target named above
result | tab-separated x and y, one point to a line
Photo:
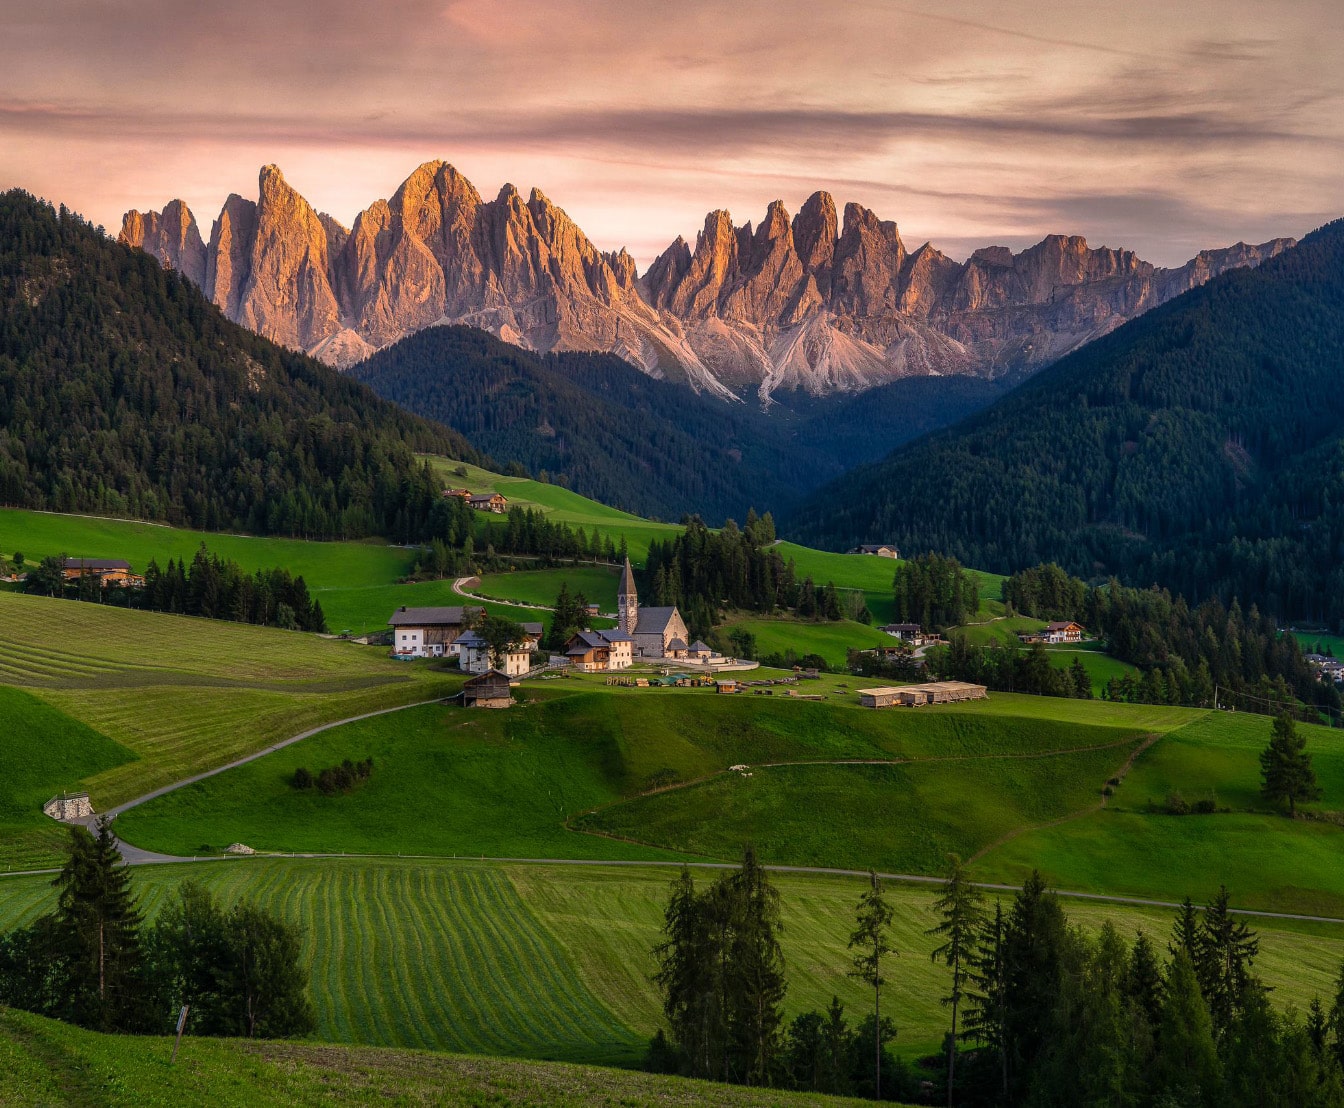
1200	447
124	392
602	427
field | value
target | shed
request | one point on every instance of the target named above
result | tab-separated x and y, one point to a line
489	690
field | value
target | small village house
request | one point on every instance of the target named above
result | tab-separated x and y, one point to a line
880	550
699	652
912	634
488	690
489	502
473	654
600	651
458	494
429	632
1062	632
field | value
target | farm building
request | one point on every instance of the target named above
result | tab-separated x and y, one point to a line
428	632
473	654
912	696
1060	632
108	571
699	652
68	806
600	651
459	494
879	549
489	690
489	502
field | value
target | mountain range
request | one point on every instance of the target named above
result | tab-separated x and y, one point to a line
820	302
1200	446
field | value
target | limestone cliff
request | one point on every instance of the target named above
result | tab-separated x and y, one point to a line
810	302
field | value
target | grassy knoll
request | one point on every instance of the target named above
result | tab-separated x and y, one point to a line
597	583
829	640
1003	630
1135	847
47	1063
43	752
504	784
178	695
553	961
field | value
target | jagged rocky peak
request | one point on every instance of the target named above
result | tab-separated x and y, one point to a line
816	301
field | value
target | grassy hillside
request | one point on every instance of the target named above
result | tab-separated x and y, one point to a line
553	961
827	639
44	1063
134	700
511	784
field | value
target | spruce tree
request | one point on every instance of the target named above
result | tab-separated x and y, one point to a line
756	985
1187	1070
1229	950
1143	980
1285	767
97	928
1032	942
871	942
987	1015
1336	1018
960	908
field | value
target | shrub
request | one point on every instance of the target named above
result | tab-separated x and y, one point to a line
1177	805
302	778
1205	807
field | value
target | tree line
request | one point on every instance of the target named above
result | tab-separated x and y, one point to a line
210	587
96	962
934	591
1040	1011
1183	652
705	573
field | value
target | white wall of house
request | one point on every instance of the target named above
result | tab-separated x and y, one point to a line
409	640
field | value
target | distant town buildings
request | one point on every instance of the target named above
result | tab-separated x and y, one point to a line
912	634
429	632
879	549
107	571
481	501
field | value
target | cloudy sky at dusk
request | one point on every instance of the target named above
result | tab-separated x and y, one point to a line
1162	125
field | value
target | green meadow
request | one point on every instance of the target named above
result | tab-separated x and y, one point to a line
552	962
117	702
825	639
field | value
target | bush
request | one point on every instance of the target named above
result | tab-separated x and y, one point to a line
1177	805
343	778
1205	807
302	779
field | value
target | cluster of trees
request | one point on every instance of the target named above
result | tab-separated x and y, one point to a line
1198	447
210	587
333	779
531	531
123	391
1183	652
1039	1012
570	616
94	961
1011	667
704	572
934	591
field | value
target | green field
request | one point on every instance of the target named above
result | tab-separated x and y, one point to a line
826	639
135	700
582	754
1001	630
552	962
1135	847
1100	667
597	583
49	1064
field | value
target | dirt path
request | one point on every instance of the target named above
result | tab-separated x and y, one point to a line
459	587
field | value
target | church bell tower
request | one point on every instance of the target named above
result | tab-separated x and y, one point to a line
627	601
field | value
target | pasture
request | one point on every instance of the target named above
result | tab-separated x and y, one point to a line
598	584
580	756
138	699
825	639
553	961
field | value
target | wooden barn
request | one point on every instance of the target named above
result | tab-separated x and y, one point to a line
489	690
913	696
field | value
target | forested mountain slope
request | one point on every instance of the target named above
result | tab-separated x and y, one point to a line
123	391
615	434
1200	446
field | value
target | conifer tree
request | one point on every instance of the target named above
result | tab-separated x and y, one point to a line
97	930
1143	980
1186	1069
1229	950
871	942
960	908
987	1015
1285	767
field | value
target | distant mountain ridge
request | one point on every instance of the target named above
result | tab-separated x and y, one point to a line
813	303
1200	447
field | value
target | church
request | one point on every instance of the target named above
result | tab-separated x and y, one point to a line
657	632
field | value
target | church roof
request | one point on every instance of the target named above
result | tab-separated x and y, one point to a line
627	580
699	647
654	621
677	644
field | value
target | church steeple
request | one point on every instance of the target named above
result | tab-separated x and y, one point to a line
627	601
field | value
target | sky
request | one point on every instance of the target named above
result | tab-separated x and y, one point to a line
1164	126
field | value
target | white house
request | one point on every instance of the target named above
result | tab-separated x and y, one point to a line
428	632
474	656
600	651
